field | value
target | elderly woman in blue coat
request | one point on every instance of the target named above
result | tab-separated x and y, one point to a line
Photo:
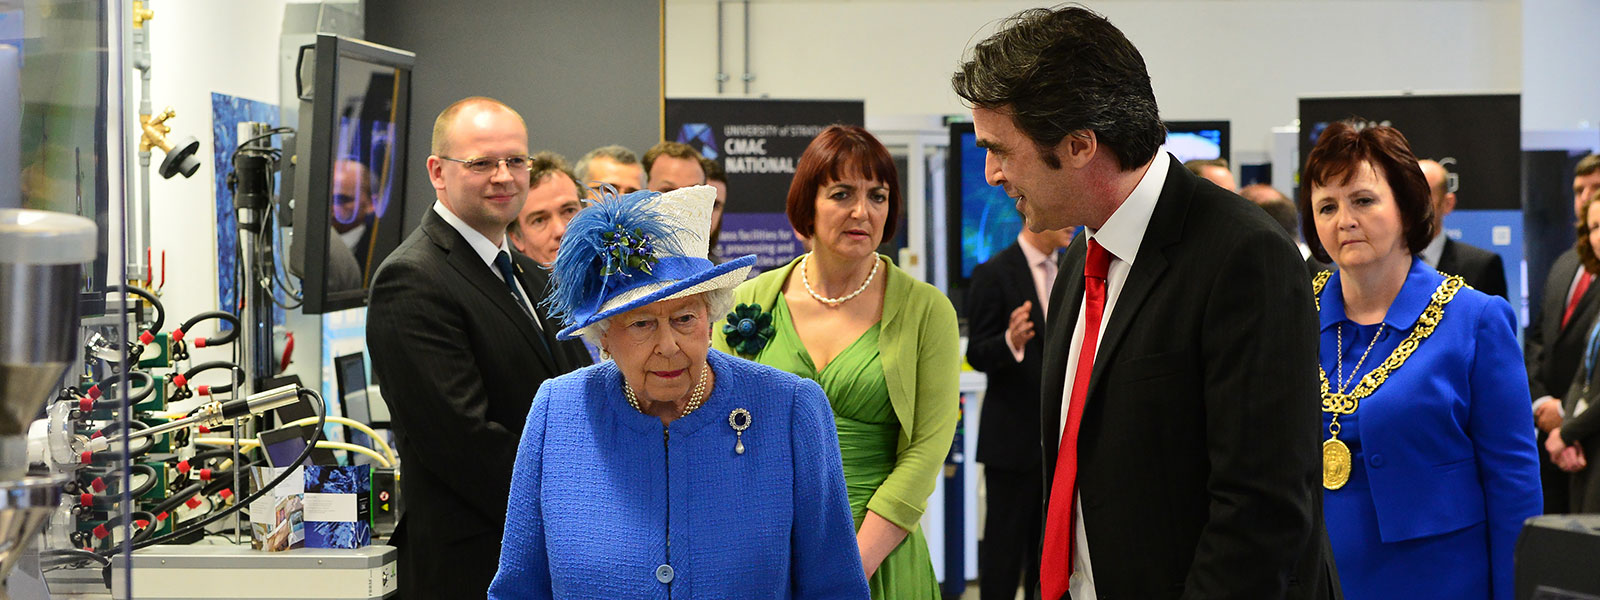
671	470
1429	461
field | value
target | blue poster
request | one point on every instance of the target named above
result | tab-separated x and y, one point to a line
227	112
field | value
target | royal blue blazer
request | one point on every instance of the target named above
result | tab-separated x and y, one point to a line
1444	445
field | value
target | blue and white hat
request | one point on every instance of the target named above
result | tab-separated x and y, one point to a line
625	252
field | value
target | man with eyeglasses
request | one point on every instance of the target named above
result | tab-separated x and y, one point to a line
459	345
552	202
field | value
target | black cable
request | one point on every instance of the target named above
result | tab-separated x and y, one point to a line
238	373
161	311
322	416
177	498
107	501
140	533
63	558
226	337
105	385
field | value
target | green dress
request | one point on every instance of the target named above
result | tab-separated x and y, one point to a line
868	431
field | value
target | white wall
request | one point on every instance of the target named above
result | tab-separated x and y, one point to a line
1242	60
199	47
1560	78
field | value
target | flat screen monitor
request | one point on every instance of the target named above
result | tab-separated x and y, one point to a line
283	445
351	369
350	180
1198	140
983	220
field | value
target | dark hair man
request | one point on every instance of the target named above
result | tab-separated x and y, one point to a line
552	202
1180	437
671	165
1554	340
459	344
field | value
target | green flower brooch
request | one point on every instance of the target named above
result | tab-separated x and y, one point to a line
748	329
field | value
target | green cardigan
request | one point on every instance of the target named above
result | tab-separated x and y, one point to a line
919	345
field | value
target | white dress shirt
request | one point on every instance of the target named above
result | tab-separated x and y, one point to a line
1043	268
1121	236
486	251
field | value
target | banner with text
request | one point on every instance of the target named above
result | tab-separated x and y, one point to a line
758	143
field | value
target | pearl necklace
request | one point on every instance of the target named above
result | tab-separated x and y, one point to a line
806	279
696	398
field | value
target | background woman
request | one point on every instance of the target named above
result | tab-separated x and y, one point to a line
1576	443
671	470
882	345
1429	465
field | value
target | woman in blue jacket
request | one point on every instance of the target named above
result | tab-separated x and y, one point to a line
1429	463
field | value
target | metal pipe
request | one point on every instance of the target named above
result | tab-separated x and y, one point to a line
747	75
722	73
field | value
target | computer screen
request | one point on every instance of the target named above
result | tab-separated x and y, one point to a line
984	220
352	373
1197	140
350	187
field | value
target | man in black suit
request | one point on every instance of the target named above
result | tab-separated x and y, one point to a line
1180	403
1482	269
1555	337
460	347
1005	309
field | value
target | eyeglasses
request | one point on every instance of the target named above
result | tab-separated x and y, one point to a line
484	165
643	329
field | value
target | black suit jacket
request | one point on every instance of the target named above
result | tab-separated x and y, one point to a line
1552	351
1482	269
458	363
1011	404
1199	450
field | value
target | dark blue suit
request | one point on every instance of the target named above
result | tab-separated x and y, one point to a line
1445	469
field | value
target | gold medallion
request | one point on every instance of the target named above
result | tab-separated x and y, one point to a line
1335	464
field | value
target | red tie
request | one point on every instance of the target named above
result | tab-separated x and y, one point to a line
1055	566
1577	294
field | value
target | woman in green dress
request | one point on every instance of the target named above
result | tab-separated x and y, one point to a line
883	346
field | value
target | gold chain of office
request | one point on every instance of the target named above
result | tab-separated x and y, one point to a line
1336	459
1345	404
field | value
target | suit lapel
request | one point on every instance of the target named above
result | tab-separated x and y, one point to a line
1165	228
466	263
1447	258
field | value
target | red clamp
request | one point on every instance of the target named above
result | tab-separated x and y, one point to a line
100	531
145	337
97	435
225	493
203	390
205	474
199	342
98	485
193	502
86	403
86	499
179	380
86	457
183	467
161	517
94	392
141	523
203	428
177	335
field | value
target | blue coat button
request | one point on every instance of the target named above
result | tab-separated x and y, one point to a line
664	573
1376	461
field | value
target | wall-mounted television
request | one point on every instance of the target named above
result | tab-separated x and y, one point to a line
350	179
983	220
1197	140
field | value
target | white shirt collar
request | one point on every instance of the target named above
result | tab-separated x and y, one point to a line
486	249
1434	250
1124	231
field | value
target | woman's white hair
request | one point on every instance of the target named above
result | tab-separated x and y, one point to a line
718	303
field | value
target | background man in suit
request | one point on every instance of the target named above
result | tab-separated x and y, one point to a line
1287	216
1214	170
1482	269
552	202
460	346
1555	337
610	165
1005	311
1180	404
